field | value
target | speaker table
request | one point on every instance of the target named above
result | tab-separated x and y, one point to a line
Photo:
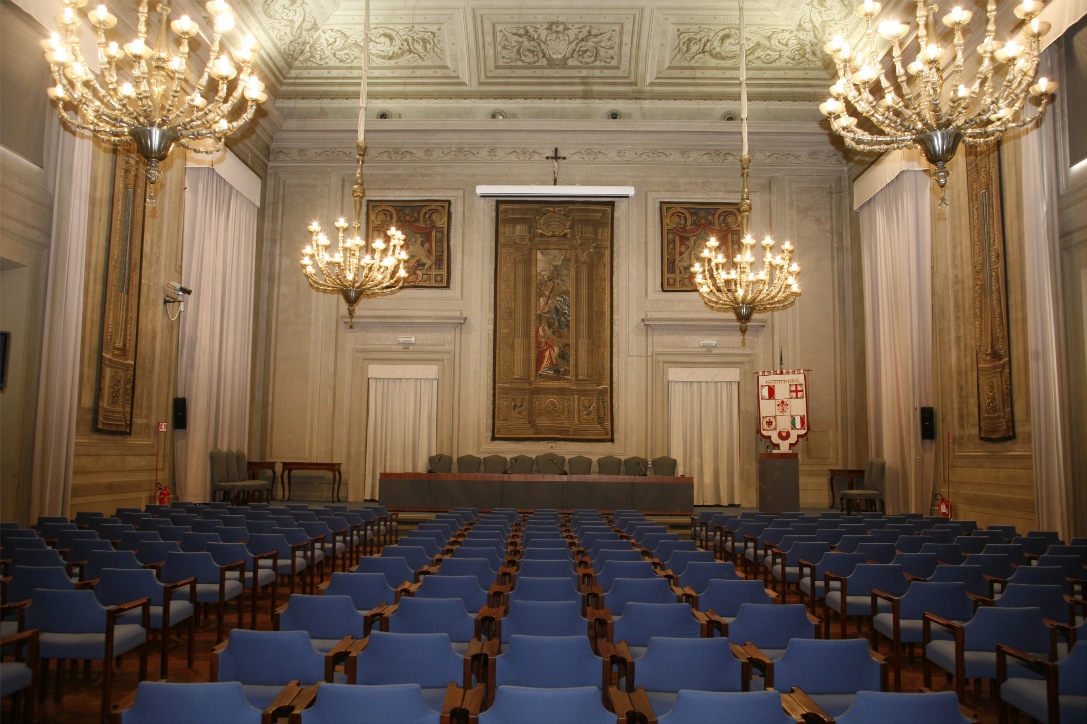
288	467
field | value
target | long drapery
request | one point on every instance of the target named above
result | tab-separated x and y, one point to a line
703	424
216	326
401	420
896	235
58	397
1037	153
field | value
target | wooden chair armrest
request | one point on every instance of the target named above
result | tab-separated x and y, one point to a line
407	589
772	593
803	708
303	700
757	658
740	652
282	703
114	612
86	585
1030	661
981	600
828	577
337	655
454	696
631	706
471	704
952	627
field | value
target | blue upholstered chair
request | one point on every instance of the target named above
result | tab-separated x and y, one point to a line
266	661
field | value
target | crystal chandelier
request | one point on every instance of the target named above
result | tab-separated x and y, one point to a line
732	284
142	90
931	104
357	269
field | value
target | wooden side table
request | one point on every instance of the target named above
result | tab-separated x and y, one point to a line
288	467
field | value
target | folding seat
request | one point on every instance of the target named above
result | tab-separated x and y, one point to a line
971	652
292	560
466	588
1016	554
642	621
19	677
606	575
188	703
765	631
478	568
197	542
903	623
171	605
1061	696
917	565
893	708
72	625
213	582
854	595
645	590
812	574
830	672
706	706
395	569
784	563
413	614
394	658
326	619
254	576
670	665
723	598
99	560
732	542
264	662
415	556
546	662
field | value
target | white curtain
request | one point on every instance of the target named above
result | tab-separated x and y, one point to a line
58	393
216	326
1036	148
401	420
896	237
704	433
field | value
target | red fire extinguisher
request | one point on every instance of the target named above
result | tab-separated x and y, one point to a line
943	506
162	495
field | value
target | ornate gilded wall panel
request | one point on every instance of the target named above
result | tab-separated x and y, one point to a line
120	309
685	227
425	225
993	350
552	337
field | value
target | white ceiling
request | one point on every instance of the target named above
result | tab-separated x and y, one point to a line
648	59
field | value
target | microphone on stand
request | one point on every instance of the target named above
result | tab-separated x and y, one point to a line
642	467
433	465
555	462
513	461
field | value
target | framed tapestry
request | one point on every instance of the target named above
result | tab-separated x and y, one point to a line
552	329
685	227
121	302
992	348
425	225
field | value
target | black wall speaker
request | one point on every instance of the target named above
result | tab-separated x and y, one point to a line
928	423
181	417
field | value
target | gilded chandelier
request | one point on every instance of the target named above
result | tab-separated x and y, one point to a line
357	269
929	102
733	284
142	90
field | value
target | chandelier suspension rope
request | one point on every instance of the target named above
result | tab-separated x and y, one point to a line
357	269
733	285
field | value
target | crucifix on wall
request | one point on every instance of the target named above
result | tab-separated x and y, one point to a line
554	159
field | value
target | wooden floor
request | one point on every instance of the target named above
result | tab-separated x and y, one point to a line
82	691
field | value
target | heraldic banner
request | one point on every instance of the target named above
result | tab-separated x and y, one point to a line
783	407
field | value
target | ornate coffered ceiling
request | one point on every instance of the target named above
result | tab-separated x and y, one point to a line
536	60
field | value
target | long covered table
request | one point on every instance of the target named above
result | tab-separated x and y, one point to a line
440	491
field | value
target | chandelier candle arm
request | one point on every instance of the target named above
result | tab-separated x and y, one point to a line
733	285
929	105
139	91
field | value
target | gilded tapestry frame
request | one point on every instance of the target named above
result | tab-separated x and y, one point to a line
553	321
685	227
121	303
426	226
996	419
